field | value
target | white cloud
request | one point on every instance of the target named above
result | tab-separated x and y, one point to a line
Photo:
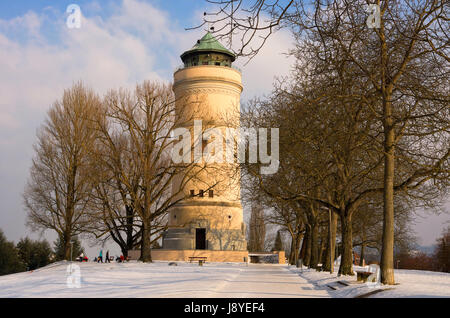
118	51
146	20
29	23
131	45
260	72
135	42
37	65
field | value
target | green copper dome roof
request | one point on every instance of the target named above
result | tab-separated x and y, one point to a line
208	43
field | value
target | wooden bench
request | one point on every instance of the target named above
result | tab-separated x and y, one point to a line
362	276
368	273
201	259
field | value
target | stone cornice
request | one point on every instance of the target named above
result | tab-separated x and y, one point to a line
194	203
197	85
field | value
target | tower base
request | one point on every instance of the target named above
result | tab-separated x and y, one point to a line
200	236
186	255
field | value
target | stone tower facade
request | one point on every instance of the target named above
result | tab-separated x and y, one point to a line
207	88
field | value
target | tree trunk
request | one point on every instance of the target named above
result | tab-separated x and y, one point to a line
67	250
291	254
326	255
322	249
306	246
124	252
363	246
129	231
387	252
346	267
145	243
330	254
314	246
295	248
361	259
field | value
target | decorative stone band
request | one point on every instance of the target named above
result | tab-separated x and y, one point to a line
233	89
219	123
208	203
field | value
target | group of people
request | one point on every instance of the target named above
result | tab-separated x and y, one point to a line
99	259
82	258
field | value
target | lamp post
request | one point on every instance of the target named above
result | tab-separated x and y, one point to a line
329	242
71	244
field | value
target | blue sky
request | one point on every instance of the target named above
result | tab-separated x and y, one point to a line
178	9
120	43
181	11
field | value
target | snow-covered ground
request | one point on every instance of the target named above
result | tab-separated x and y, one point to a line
136	279
409	283
224	280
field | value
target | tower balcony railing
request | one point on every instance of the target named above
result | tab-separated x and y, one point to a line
181	67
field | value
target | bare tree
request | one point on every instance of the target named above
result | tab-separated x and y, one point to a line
252	21
113	214
59	187
442	251
257	229
145	119
401	61
292	219
324	143
404	61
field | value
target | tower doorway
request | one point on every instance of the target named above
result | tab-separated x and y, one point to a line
200	239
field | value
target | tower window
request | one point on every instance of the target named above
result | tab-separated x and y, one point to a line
201	194
211	193
192	193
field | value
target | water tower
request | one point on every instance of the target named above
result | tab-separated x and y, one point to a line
210	222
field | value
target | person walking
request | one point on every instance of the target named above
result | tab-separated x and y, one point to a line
107	257
100	256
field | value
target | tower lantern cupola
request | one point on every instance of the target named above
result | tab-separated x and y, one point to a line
208	51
